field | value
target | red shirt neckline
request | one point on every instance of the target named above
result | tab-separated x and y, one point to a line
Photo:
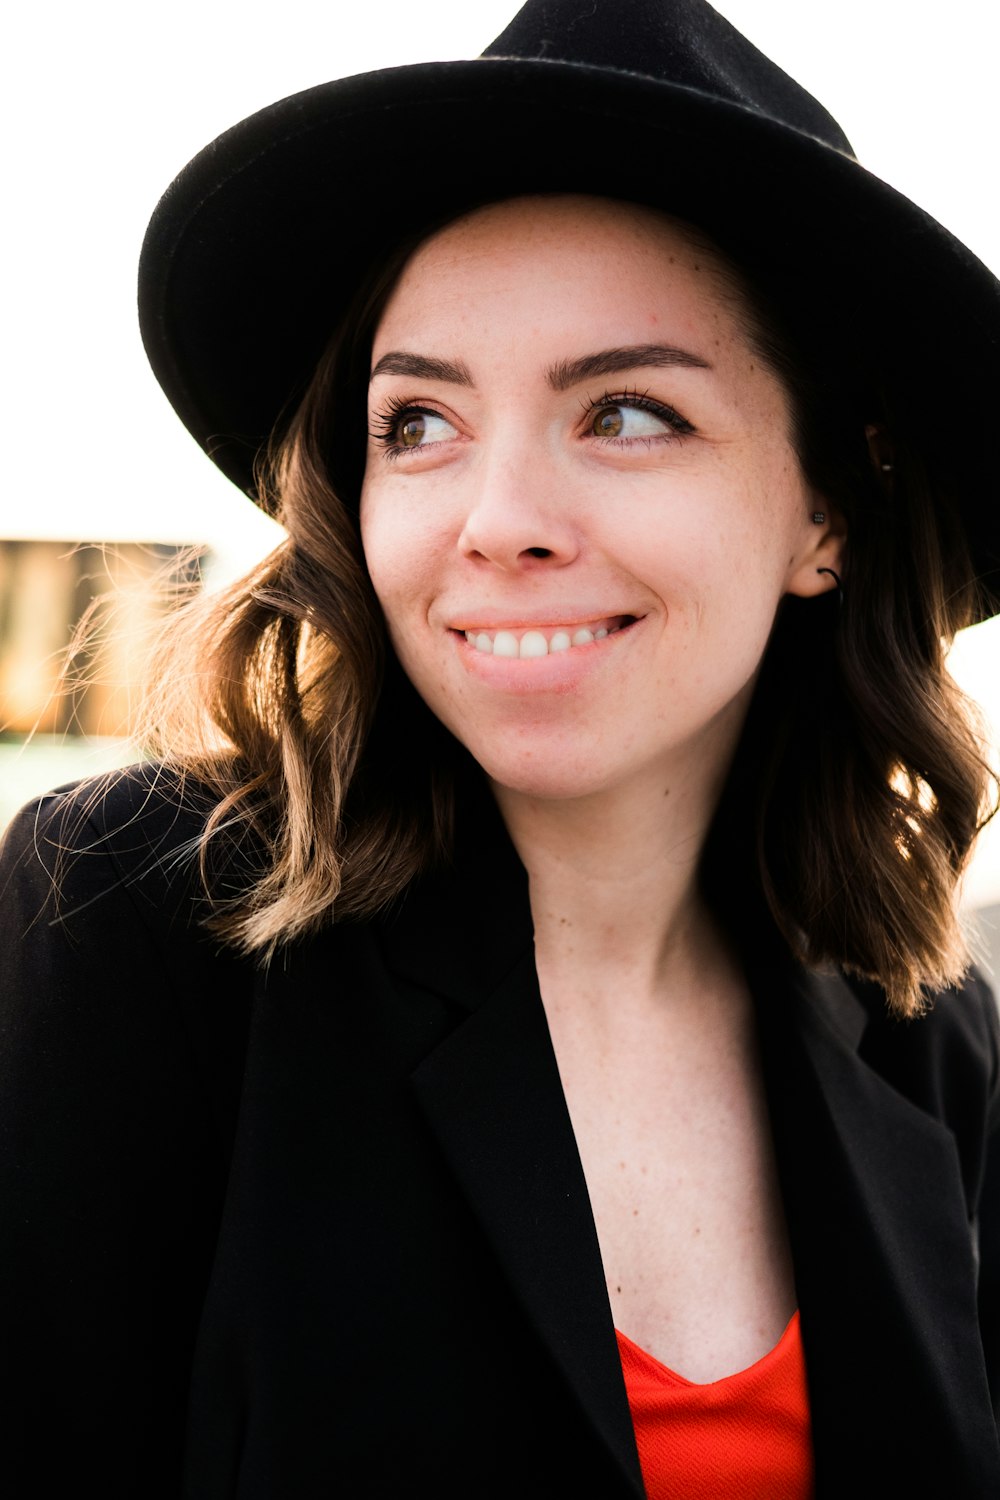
791	1333
746	1436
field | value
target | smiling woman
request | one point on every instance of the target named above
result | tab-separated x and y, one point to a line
518	1036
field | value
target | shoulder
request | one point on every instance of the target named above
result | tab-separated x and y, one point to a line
940	1052
75	857
947	1062
109	971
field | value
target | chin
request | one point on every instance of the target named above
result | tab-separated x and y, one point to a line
544	778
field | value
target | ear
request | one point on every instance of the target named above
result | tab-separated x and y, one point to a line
824	546
880	450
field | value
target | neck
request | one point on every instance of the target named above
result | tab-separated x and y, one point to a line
614	890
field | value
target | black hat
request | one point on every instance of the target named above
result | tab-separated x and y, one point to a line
255	250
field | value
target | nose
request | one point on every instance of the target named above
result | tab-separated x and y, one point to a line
519	518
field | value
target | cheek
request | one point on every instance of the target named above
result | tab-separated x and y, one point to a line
389	545
719	558
769	525
378	553
404	554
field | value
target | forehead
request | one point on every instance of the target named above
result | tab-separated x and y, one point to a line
594	258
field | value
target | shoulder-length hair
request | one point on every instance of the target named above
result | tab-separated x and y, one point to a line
857	789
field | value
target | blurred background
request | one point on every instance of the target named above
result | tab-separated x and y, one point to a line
103	492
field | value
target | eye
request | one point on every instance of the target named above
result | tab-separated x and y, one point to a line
418	429
623	418
403	428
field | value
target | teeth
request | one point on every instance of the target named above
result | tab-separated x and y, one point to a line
535	643
505	644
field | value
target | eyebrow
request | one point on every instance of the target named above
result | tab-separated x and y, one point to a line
421	367
561	376
570	372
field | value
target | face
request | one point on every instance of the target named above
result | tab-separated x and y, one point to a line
581	505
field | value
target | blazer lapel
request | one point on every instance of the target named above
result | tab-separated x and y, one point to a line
883	1256
492	1096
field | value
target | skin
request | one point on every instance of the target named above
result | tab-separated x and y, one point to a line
506	506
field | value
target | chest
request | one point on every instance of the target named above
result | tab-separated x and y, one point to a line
676	1146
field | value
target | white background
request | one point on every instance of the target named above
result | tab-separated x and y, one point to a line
104	102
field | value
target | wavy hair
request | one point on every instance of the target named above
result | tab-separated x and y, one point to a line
857	789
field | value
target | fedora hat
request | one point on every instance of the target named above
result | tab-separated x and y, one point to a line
259	245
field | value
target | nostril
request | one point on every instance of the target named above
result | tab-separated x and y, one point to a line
539	551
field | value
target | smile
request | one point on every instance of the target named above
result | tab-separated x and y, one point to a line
546	641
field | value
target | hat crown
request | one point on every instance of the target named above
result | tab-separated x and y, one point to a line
681	42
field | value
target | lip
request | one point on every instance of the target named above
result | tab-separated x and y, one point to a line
569	617
563	671
597	622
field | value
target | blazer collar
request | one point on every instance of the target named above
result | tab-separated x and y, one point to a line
870	1182
884	1264
492	1097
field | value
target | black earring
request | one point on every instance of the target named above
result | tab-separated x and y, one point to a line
836	579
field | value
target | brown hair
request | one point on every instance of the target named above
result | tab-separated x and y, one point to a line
858	786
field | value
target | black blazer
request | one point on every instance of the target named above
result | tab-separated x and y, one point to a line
322	1229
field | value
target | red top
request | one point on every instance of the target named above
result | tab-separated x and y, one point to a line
746	1437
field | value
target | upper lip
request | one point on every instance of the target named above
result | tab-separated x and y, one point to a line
538	618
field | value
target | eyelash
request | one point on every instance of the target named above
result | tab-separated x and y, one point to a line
640	401
388	420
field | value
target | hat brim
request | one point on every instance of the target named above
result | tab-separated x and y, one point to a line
256	249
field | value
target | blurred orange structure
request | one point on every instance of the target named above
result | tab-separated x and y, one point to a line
47	588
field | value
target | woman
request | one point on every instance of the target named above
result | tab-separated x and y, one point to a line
518	1039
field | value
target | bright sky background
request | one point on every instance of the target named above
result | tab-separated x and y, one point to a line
104	102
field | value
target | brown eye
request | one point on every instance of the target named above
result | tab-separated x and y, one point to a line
413	428
637	417
608	422
411	433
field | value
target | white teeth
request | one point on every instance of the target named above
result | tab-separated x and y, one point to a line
533	643
505	644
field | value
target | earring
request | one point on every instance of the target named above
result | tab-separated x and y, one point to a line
836	579
819	516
